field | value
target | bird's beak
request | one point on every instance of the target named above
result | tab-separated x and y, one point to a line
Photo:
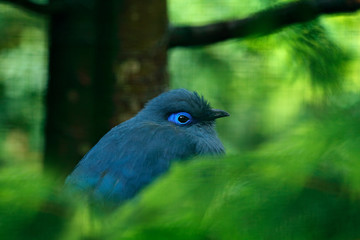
217	113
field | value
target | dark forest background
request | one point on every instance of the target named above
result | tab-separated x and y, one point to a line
288	72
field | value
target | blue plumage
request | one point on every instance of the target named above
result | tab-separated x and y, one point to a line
175	125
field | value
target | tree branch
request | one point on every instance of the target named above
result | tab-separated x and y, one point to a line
261	23
35	7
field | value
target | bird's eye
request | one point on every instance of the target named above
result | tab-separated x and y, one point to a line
180	118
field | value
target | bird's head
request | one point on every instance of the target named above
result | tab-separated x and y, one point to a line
181	108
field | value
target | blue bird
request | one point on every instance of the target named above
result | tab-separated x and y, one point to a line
175	125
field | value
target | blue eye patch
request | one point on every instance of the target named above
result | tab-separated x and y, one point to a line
180	118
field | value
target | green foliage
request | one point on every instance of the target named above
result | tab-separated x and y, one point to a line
321	58
267	82
304	184
29	205
23	72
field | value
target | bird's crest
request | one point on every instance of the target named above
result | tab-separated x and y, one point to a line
179	100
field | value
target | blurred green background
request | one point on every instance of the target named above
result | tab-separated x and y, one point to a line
292	170
23	72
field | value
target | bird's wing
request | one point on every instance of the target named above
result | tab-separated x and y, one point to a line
128	158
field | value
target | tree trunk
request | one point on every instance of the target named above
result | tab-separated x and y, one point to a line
70	95
107	58
141	57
